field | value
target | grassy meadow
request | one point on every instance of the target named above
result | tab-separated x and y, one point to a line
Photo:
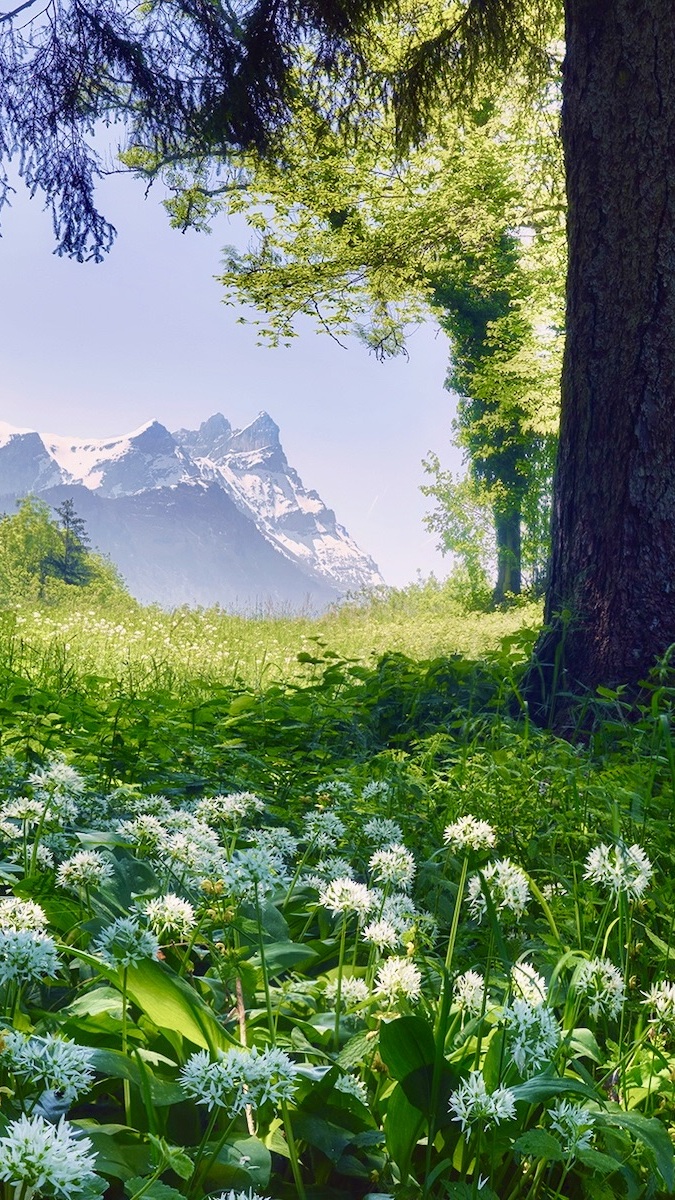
309	908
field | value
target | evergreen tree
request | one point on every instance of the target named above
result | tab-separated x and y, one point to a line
70	562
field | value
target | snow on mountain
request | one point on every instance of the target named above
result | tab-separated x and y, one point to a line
248	465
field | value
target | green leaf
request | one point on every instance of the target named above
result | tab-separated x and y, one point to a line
403	1125
329	1138
542	1087
280	956
651	1133
156	1191
604	1164
406	1044
539	1143
173	1005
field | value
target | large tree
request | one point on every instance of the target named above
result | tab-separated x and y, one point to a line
225	76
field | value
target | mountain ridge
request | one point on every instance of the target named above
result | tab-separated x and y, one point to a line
203	476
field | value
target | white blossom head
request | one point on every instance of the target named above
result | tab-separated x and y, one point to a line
575	1124
470	993
347	896
399	979
468	833
660	1001
394	865
508	888
21	914
238	1079
323	828
55	1064
528	984
472	1104
27	956
619	868
170	915
382	934
125	943
383	832
353	991
54	1160
533	1035
83	871
601	985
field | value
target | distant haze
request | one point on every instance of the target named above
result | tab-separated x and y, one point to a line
96	350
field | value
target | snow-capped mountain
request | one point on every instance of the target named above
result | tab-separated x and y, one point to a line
213	515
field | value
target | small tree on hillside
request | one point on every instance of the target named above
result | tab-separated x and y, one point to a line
70	562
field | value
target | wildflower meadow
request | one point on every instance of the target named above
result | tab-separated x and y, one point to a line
361	932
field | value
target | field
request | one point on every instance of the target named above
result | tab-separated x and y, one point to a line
301	908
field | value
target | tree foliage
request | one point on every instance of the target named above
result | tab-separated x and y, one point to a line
39	555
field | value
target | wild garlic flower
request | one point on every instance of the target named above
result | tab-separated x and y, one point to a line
400	911
353	991
21	914
125	943
528	983
600	982
323	828
27	956
351	1086
620	868
276	840
339	789
54	1160
83	871
399	979
155	805
347	896
575	1124
469	991
229	810
533	1035
395	865
233	1194
328	869
239	1078
508	888
56	1064
472	1104
145	832
25	809
382	934
57	776
377	788
170	914
43	856
660	1000
468	833
382	831
254	872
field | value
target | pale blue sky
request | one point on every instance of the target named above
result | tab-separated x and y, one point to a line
99	349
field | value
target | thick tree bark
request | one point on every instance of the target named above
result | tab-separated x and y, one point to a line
507	533
613	553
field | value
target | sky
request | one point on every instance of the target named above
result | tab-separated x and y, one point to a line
99	349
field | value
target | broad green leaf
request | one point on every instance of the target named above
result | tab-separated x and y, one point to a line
173	1005
329	1138
604	1164
651	1133
403	1126
280	956
406	1044
120	1151
542	1087
539	1143
156	1190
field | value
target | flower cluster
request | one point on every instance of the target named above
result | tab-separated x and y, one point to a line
399	979
394	865
533	1035
468	833
575	1124
346	896
239	1078
27	956
600	983
36	1156
170	914
125	943
382	831
660	1000
83	871
472	1104
53	1063
469	990
508	888
620	868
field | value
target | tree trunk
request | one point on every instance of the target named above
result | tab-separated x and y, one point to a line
613	539
507	533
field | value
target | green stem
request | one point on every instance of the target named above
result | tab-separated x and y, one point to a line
126	1083
293	1152
194	1179
263	966
338	993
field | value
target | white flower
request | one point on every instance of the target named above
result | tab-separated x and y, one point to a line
21	914
277	840
338	788
620	868
235	1195
528	983
83	870
239	1078
40	1157
472	1104
354	991
394	865
599	981
146	833
399	978
468	992
533	1035
125	943
346	896
660	999
58	776
170	914
468	833
27	955
382	934
400	911
382	831
328	869
25	809
254	872
230	809
508	888
323	828
351	1086
575	1125
54	1063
